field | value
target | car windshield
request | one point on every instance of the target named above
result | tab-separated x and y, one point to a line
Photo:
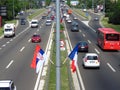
8	29
49	21
34	22
4	88
92	57
83	44
36	35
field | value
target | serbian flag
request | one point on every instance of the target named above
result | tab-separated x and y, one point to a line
61	19
74	56
38	58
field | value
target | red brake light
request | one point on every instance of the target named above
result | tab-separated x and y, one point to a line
85	59
98	60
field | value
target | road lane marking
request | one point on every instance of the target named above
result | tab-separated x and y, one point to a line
8	42
4	45
89	41
83	35
0	48
22	49
111	67
11	39
9	64
29	40
97	51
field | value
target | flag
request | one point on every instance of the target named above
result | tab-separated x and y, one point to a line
73	56
38	59
61	19
33	64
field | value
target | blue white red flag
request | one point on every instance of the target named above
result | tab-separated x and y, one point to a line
74	56
38	60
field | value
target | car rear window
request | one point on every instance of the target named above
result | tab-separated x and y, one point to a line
83	43
36	35
92	57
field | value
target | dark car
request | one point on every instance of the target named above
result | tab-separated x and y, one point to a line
23	21
74	26
44	17
82	46
36	38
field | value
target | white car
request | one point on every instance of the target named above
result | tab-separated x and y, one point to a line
69	20
75	18
34	23
48	22
91	60
7	85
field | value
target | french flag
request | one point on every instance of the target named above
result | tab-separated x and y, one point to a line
74	56
38	58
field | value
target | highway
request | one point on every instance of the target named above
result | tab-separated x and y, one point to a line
105	78
16	54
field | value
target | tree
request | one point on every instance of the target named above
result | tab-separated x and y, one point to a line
114	17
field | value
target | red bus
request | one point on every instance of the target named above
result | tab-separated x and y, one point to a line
108	39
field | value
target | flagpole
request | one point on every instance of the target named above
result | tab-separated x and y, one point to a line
51	61
65	60
58	66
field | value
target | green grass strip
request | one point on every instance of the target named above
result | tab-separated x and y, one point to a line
66	78
105	23
37	12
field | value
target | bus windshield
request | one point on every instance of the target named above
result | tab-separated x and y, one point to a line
112	37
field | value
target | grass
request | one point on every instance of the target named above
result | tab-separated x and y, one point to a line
38	12
105	23
1	31
81	13
64	76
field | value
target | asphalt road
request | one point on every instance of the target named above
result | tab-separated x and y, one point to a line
105	78
16	54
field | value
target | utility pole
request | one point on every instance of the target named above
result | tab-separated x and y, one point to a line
93	4
104	7
58	66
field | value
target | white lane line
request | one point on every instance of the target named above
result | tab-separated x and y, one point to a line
38	30
83	35
11	39
97	51
80	31
7	42
89	41
0	48
111	67
29	40
4	45
22	49
9	64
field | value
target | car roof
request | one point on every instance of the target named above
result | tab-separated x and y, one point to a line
74	22
5	83
91	54
34	20
36	35
82	42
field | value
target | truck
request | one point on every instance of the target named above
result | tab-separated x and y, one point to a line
9	30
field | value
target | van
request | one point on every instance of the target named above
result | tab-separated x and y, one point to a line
7	85
34	23
9	30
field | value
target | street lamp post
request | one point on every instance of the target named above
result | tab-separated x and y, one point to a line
93	4
104	6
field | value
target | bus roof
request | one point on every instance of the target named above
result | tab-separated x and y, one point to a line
108	30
